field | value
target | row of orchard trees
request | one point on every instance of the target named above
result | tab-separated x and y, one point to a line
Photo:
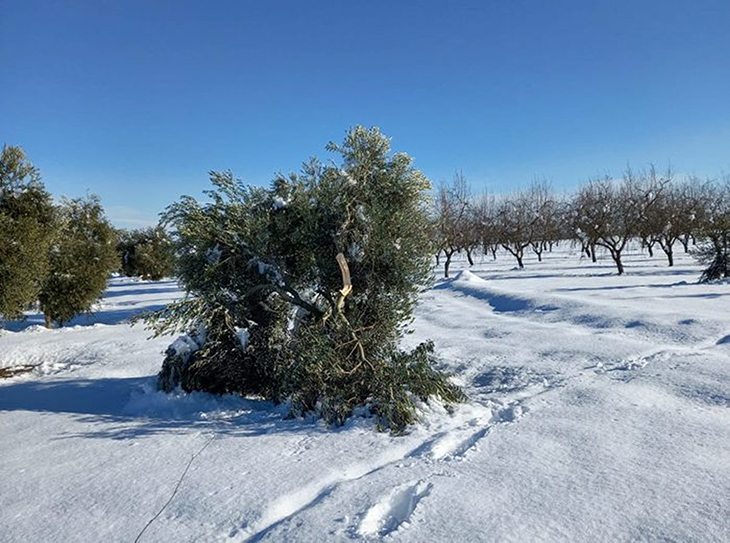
657	209
59	256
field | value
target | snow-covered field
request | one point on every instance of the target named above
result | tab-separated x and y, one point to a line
599	411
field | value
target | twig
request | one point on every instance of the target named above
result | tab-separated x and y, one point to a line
177	487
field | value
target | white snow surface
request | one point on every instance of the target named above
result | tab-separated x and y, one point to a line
599	411
243	336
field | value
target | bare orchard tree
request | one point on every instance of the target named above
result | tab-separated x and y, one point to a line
563	229
486	211
660	222
516	219
544	209
452	221
679	213
612	212
472	238
586	215
695	199
649	230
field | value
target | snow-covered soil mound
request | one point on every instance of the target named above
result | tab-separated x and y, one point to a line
599	411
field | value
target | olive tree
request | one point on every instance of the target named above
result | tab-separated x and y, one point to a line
146	253
301	292
27	224
81	257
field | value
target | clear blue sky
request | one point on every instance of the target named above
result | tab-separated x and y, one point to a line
137	100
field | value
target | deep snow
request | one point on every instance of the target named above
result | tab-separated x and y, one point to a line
599	411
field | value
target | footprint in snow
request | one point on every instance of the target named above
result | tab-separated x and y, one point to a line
394	510
454	444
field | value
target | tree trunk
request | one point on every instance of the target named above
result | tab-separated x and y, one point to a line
494	252
685	243
469	258
616	255
593	254
447	263
438	258
538	249
651	250
670	255
47	318
517	252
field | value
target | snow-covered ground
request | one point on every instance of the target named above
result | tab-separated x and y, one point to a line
599	411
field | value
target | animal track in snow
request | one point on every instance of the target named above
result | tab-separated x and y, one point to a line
394	510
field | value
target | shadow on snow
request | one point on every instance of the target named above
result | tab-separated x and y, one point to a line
118	313
104	316
131	408
115	290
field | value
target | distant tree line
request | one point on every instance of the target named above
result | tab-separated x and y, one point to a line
660	211
58	256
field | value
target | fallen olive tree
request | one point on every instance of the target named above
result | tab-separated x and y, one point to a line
302	292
